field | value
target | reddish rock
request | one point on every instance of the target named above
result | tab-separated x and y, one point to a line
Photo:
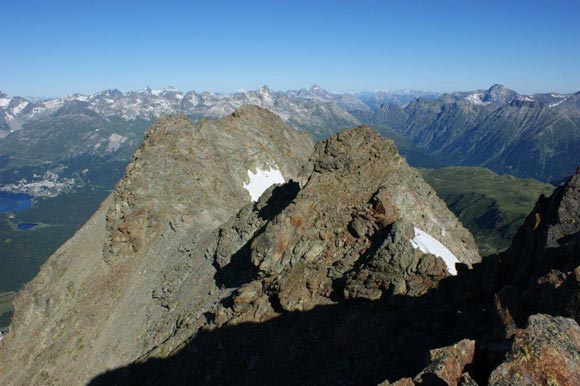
448	363
547	352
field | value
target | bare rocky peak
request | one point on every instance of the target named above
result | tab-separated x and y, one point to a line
179	169
137	272
499	95
361	196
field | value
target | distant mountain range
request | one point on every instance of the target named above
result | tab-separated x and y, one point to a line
314	108
534	136
90	138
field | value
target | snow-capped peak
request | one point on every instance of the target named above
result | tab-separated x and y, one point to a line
4	100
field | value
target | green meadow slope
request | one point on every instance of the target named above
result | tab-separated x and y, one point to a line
491	206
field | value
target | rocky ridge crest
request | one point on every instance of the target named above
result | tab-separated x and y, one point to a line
316	282
136	272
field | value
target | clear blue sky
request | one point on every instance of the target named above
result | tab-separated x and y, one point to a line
52	48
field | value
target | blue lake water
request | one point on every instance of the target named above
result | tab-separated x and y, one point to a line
13	202
25	226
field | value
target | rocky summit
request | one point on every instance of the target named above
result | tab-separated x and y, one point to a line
138	271
238	252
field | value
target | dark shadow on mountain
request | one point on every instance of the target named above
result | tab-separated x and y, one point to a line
348	343
281	197
240	270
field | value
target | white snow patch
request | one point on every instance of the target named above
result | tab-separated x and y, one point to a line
18	109
52	104
82	98
4	102
262	180
475	98
428	244
557	103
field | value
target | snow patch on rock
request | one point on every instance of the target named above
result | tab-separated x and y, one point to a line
262	180
476	99
428	244
18	108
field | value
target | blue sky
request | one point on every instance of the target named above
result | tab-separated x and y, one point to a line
54	48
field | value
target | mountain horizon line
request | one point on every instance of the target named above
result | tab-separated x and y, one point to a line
313	88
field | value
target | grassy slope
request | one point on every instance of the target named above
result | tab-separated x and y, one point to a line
491	206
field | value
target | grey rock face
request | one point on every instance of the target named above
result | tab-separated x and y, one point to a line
357	190
543	261
395	268
251	139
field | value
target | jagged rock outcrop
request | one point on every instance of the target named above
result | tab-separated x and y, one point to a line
542	265
136	274
448	364
538	276
347	232
547	352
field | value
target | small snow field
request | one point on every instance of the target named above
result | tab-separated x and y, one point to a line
428	244
262	180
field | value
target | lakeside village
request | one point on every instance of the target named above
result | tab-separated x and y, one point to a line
46	186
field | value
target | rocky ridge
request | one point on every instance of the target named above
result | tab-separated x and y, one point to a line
114	268
485	326
317	282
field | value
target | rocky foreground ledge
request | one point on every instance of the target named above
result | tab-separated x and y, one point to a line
352	272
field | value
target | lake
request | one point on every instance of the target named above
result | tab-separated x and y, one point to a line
13	202
25	226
